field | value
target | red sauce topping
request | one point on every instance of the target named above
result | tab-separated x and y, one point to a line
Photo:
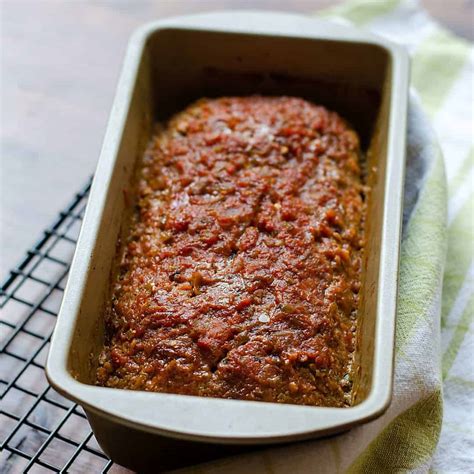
241	272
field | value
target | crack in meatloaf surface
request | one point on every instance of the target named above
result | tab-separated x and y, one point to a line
240	274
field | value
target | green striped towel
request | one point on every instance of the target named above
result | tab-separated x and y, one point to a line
435	333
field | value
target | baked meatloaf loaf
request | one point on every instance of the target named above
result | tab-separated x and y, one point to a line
240	274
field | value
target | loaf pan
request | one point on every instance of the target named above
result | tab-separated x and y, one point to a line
169	64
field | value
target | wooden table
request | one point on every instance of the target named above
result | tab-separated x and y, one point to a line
60	62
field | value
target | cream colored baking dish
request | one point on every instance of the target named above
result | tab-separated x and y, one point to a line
168	64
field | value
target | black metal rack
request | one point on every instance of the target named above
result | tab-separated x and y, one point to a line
41	431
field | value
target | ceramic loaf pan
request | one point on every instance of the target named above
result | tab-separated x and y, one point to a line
169	64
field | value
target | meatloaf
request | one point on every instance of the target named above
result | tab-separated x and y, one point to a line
240	274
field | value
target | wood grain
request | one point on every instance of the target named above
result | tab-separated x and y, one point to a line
59	63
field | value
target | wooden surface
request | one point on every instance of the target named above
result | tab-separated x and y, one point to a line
59	64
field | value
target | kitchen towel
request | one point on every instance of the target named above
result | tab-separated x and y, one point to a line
429	425
443	77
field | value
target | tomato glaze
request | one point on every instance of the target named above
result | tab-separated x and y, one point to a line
241	271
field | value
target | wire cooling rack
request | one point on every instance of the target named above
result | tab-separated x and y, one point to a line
41	431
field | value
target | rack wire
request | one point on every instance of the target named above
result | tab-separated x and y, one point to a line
41	431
